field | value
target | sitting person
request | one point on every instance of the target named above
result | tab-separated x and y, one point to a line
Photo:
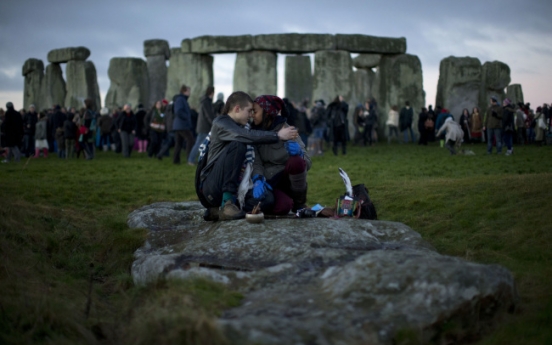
218	175
453	136
282	166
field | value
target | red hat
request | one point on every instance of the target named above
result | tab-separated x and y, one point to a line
272	105
165	102
444	110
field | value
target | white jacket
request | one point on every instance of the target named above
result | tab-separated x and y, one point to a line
393	118
454	131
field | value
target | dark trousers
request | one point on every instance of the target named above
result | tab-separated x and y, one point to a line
156	139
225	173
28	145
339	136
179	138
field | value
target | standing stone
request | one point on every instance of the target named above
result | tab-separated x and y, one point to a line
193	70
33	71
53	86
63	55
495	77
255	73
129	82
515	93
298	78
459	84
333	75
367	61
82	83
363	80
398	79
157	52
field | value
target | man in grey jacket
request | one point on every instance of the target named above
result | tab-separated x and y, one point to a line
219	179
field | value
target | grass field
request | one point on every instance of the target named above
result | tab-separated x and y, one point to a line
66	250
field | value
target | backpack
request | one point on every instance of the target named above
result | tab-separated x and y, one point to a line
201	164
367	208
428	124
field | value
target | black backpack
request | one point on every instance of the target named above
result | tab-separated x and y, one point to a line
367	208
198	183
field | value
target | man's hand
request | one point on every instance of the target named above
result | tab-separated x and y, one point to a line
287	133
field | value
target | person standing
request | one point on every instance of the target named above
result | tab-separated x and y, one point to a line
41	136
156	126
371	121
29	123
69	135
105	123
464	122
204	122
520	126
182	124
141	129
89	121
493	126
319	125
476	126
126	127
13	131
508	125
393	123
422	118
219	104
336	113
406	117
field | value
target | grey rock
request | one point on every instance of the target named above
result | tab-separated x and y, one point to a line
298	78
157	47
459	84
370	44
53	86
333	75
186	46
255	73
32	65
294	43
33	70
63	55
495	77
157	76
82	83
367	61
129	82
515	93
323	281
399	78
221	44
194	70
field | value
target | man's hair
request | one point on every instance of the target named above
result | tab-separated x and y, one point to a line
210	90
88	103
407	103
184	88
237	98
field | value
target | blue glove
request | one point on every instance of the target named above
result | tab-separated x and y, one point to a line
260	186
293	148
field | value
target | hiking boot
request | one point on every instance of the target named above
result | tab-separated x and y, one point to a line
230	212
211	214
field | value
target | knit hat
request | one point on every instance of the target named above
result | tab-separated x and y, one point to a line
272	105
164	102
494	99
444	110
507	101
220	96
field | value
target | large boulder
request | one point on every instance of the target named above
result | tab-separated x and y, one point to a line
298	77
399	79
221	44
367	61
515	93
255	73
129	82
324	281
157	47
294	43
53	86
495	77
333	75
193	70
82	83
63	55
370	44
459	84
33	71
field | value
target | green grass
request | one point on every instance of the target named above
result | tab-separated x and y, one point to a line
66	250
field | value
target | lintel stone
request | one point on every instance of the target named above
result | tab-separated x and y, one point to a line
294	43
221	44
370	44
63	55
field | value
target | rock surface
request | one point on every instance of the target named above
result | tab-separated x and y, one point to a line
157	47
515	93
323	281
63	55
370	44
194	70
399	78
298	78
495	77
459	84
82	83
33	71
255	73
294	43
157	77
333	75
129	82
221	44
53	86
367	61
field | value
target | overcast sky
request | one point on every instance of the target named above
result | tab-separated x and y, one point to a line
518	33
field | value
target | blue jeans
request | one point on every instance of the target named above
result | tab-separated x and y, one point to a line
405	134
195	150
497	132
508	139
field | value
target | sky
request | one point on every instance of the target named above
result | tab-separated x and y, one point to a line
518	33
